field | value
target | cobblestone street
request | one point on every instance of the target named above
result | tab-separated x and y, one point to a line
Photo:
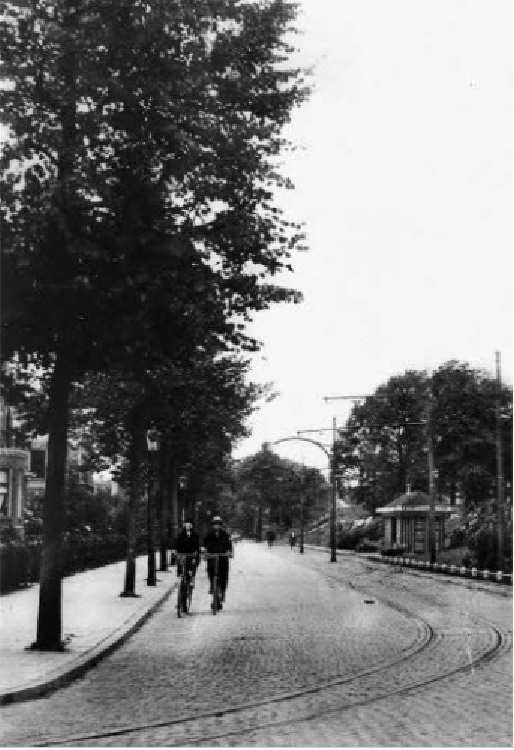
304	653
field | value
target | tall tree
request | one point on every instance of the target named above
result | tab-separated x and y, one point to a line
383	448
141	163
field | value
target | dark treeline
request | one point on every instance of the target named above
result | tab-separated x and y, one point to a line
140	234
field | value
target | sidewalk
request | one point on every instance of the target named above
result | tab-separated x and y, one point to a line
95	621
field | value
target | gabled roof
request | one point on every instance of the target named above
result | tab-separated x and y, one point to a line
413	501
409	499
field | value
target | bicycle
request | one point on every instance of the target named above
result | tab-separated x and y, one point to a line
185	588
216	604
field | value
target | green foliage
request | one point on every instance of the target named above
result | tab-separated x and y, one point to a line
481	538
384	446
464	425
141	172
273	486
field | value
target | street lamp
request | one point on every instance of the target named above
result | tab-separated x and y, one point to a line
153	446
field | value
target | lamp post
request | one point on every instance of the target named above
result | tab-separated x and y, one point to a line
333	482
153	446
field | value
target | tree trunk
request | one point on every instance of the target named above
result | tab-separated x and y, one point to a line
137	430
49	625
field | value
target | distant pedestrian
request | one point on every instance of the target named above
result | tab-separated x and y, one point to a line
271	538
292	540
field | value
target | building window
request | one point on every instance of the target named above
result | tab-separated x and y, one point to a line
4	492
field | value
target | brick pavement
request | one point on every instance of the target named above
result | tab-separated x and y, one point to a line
95	620
299	625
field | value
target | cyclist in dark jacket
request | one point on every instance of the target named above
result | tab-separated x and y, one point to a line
217	540
188	543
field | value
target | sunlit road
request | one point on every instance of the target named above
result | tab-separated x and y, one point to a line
305	652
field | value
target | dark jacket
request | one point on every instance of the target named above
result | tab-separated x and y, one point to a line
220	543
188	544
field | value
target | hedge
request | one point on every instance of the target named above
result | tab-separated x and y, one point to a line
20	562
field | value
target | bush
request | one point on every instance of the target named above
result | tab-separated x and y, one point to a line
457	538
19	565
361	538
20	562
483	546
393	550
348	539
367	545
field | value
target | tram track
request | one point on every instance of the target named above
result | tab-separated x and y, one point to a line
324	698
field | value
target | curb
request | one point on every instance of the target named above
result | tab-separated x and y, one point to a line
460	571
67	673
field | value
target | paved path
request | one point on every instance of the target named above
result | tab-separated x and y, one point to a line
304	653
95	619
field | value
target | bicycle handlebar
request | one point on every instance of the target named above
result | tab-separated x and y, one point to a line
206	555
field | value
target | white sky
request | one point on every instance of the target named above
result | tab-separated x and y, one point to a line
405	185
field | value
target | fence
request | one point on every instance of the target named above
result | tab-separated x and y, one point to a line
20	563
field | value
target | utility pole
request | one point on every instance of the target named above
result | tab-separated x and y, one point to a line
301	519
329	456
333	481
431	484
499	463
333	515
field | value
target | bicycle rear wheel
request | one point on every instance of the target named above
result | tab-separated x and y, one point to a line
183	595
179	600
214	605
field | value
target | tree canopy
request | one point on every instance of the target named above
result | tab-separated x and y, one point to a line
140	225
383	448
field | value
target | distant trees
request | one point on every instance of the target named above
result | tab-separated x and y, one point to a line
383	447
268	490
139	224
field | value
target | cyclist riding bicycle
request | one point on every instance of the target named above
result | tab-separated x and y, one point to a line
188	543
216	541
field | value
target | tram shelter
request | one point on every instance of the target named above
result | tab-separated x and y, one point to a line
406	522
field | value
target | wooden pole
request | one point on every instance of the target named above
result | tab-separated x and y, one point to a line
499	464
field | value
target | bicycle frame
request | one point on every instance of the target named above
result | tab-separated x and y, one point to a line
184	593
